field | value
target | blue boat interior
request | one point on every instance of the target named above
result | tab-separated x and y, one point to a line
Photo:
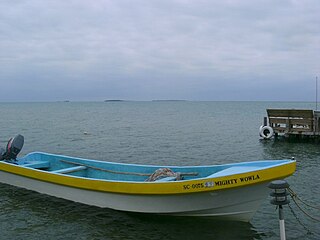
59	164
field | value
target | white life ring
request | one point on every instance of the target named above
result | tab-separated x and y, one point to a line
260	130
266	132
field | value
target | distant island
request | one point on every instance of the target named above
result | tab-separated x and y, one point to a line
155	100
114	100
169	100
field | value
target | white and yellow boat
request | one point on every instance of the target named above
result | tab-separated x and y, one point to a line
229	191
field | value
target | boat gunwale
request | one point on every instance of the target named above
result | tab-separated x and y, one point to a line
155	166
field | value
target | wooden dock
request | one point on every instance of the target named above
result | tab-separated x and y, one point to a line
297	123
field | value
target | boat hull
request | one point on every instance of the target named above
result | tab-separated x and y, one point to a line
230	191
238	203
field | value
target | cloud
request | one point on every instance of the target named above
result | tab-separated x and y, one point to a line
142	50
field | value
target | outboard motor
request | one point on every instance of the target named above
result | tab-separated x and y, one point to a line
13	148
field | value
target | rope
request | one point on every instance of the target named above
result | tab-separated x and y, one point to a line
307	214
118	172
106	170
294	195
299	221
162	173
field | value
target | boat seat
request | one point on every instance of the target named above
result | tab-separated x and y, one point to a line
70	169
166	179
40	164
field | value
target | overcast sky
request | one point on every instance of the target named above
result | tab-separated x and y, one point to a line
83	50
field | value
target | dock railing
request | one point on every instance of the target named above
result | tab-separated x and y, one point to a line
292	121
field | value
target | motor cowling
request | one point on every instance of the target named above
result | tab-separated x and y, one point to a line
13	148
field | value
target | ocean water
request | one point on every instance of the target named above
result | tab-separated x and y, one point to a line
160	132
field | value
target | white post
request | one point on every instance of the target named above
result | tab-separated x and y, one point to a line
282	230
281	222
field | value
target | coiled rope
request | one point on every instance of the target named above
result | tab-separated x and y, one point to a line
162	173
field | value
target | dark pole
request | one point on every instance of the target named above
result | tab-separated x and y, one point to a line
316	92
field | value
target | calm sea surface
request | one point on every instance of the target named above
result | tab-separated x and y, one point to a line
172	133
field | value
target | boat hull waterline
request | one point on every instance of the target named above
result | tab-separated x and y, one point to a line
231	191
